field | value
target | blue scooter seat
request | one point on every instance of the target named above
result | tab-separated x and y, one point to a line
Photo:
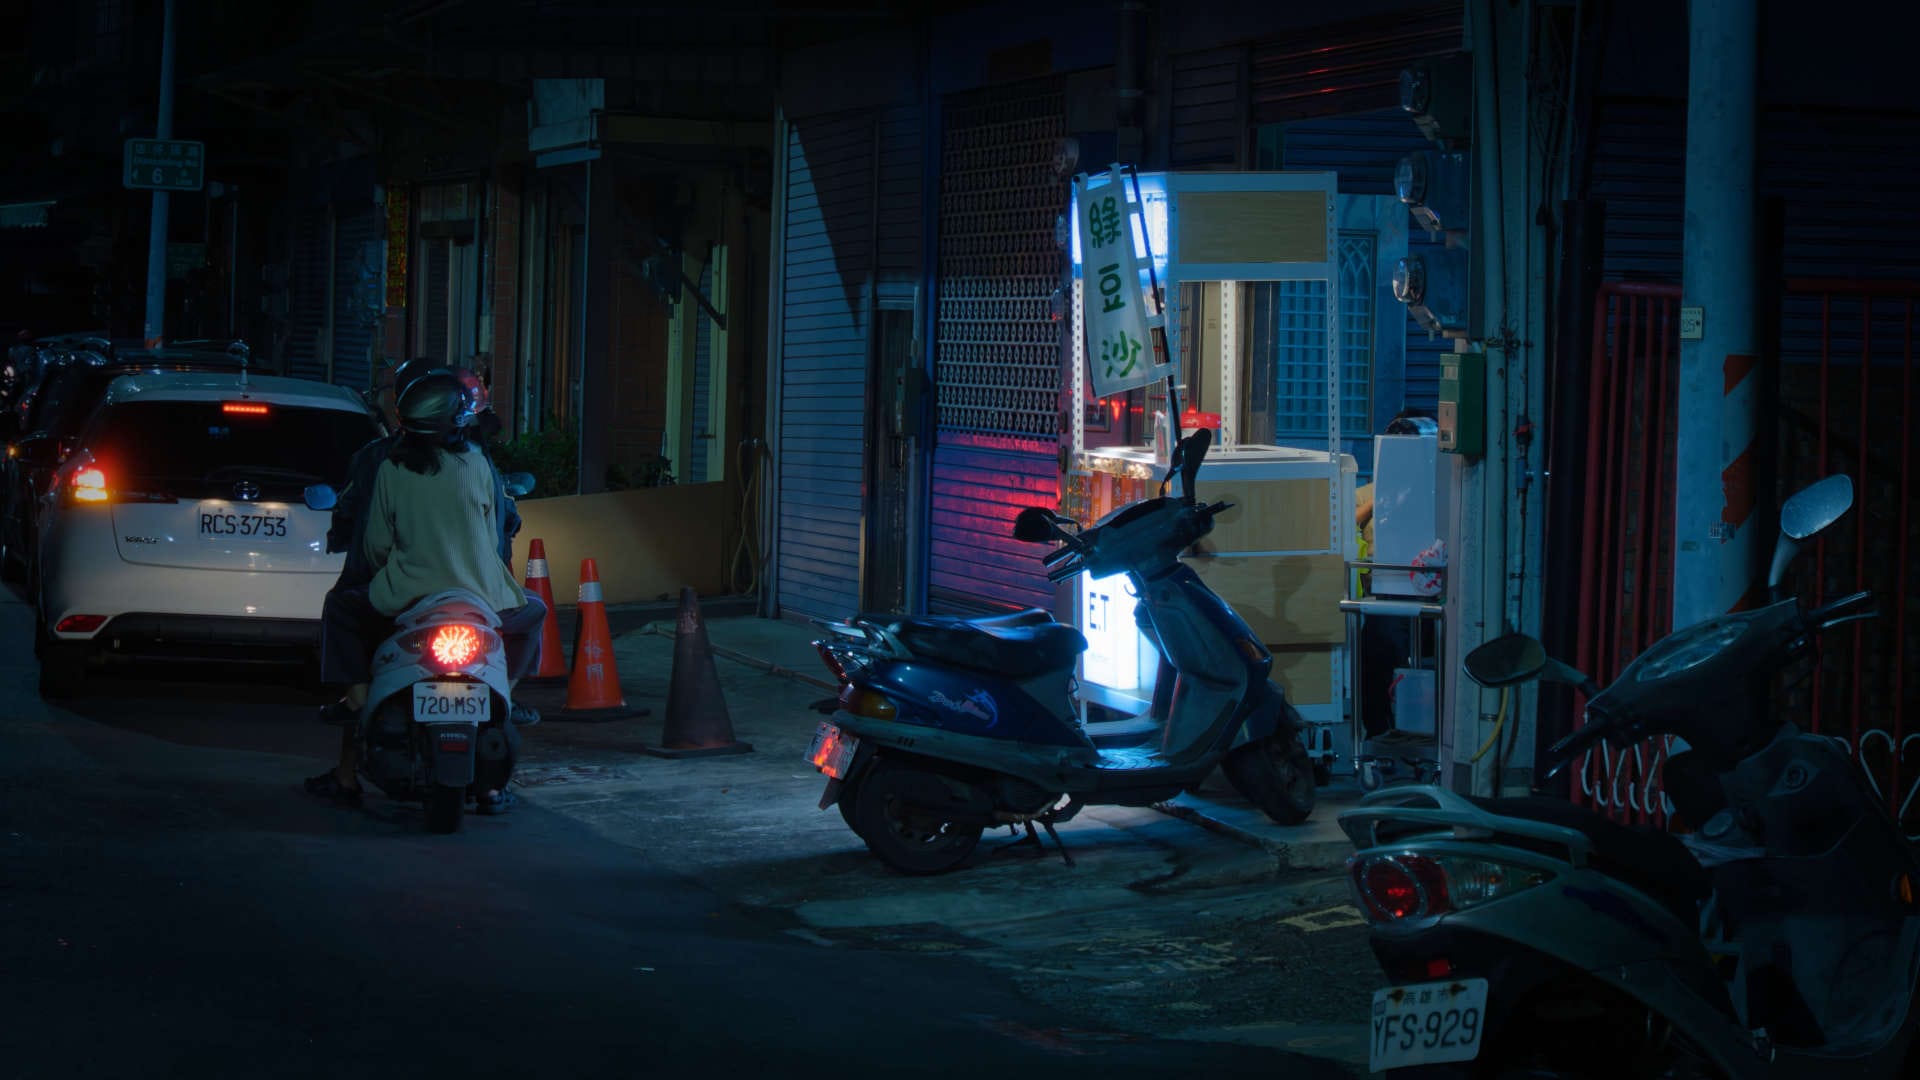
1017	646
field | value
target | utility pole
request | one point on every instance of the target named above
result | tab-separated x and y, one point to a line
1716	535
157	237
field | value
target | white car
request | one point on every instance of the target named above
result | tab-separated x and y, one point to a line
177	527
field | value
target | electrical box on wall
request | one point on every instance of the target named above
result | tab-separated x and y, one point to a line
1463	404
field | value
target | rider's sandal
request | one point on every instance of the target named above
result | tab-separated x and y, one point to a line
498	802
328	786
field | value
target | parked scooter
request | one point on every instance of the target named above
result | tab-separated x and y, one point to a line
946	726
435	728
1536	938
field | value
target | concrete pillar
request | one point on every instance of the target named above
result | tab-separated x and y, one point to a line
1716	534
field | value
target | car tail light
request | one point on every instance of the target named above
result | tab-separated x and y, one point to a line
89	485
243	408
1406	885
456	645
80	624
866	703
833	662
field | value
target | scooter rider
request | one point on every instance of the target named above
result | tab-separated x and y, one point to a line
348	526
427	489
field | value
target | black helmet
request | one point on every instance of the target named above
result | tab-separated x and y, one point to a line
405	375
435	404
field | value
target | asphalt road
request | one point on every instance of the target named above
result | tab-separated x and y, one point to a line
171	904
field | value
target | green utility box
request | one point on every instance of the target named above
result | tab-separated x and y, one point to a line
1463	403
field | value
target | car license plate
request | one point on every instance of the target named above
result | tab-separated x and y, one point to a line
257	526
1428	1024
452	702
832	750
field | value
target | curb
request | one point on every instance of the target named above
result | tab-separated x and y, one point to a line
1305	855
669	630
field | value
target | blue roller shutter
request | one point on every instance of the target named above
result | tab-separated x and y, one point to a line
828	256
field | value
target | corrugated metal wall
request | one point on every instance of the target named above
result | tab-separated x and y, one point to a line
1347	67
1208	114
307	294
434	312
358	270
823	362
1845	180
1363	149
997	359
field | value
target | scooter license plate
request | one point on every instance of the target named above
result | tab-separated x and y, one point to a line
832	750
1428	1024
452	702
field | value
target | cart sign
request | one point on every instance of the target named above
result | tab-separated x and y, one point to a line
1120	352
164	165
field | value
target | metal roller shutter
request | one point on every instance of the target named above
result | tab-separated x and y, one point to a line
358	260
439	270
1348	67
823	362
307	288
1209	121
997	348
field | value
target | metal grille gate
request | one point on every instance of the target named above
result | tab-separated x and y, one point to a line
1846	405
997	348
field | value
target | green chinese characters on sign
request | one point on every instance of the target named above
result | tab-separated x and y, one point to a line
1121	354
1113	292
1105	223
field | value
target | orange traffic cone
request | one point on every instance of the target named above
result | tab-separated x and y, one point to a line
553	661
593	692
697	722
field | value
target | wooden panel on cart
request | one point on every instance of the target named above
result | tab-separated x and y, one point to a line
1267	515
1253	227
1285	599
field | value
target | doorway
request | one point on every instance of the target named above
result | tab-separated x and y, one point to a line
893	417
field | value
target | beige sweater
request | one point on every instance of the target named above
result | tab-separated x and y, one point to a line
427	534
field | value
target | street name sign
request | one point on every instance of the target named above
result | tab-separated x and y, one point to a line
164	165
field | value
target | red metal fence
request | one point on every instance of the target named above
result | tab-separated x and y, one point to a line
1846	404
1626	562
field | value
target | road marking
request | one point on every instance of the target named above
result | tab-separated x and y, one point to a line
1333	918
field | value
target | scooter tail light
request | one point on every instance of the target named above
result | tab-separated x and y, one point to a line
1408	885
833	662
455	645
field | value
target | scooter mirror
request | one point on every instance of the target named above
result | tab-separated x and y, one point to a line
1808	511
1816	506
1034	525
321	497
1512	658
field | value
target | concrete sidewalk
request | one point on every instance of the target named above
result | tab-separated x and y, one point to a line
1250	916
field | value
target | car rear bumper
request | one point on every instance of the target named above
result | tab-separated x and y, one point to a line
150	634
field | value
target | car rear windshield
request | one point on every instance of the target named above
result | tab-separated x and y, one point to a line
202	449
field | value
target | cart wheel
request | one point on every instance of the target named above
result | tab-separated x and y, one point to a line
1369	776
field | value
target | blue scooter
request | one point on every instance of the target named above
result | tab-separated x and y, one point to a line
945	727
